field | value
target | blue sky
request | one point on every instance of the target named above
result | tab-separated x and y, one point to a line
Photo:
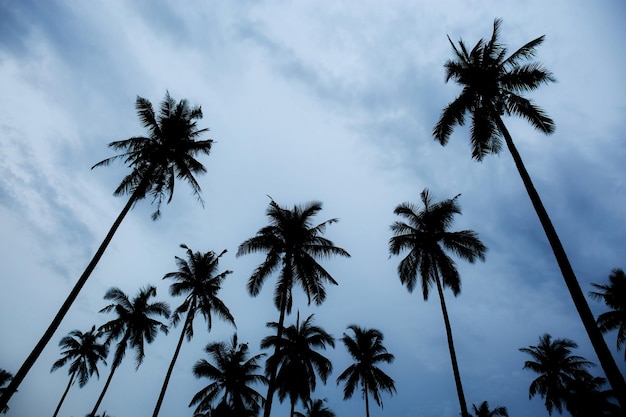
328	101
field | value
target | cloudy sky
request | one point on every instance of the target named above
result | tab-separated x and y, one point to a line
308	100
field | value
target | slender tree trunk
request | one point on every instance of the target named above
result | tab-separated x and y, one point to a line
455	366
367	400
104	390
293	408
63	396
34	355
172	363
616	379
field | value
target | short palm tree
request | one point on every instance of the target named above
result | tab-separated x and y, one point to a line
292	244
614	296
5	377
296	361
134	325
552	359
233	373
367	350
197	278
156	160
84	350
585	398
316	408
484	411
493	84
426	237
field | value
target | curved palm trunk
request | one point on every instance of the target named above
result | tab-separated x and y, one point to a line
157	408
616	379
34	355
455	366
367	400
104	390
63	396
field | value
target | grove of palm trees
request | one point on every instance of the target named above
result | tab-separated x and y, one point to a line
298	299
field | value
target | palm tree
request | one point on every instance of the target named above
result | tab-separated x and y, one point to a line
292	245
198	279
5	377
492	87
484	411
315	408
295	361
85	352
557	369
614	296
586	399
426	237
232	374
134	324
166	154
367	349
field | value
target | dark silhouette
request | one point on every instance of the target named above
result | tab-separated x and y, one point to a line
614	296
198	279
295	361
492	87
426	237
166	154
316	408
367	350
292	245
134	325
232	374
5	377
484	411
84	350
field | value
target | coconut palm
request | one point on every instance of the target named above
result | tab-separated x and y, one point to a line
197	278
426	237
5	377
586	398
315	408
296	361
367	350
614	296
484	411
156	160
84	350
292	245
134	326
493	84
232	372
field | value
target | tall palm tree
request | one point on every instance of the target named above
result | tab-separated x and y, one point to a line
232	372
292	245
427	238
614	296
484	411
557	369
296	361
84	350
367	350
493	85
316	408
134	324
5	377
197	278
156	160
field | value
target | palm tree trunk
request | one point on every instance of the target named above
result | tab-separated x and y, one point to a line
104	390
63	396
171	367
34	355
616	379
293	408
367	400
271	383
455	366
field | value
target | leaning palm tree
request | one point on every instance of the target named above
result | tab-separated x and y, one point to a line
614	296
292	245
156	160
134	324
5	377
426	237
557	369
493	85
315	408
367	350
85	351
197	278
232	372
296	361
484	411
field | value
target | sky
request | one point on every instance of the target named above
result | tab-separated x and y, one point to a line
307	100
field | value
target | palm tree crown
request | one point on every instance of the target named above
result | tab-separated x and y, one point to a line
614	296
5	377
484	411
316	408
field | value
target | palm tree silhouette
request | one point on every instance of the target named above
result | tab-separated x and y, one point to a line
484	411
84	350
232	373
5	377
166	154
492	87
134	325
292	245
295	361
367	350
315	408
198	279
426	237
614	296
